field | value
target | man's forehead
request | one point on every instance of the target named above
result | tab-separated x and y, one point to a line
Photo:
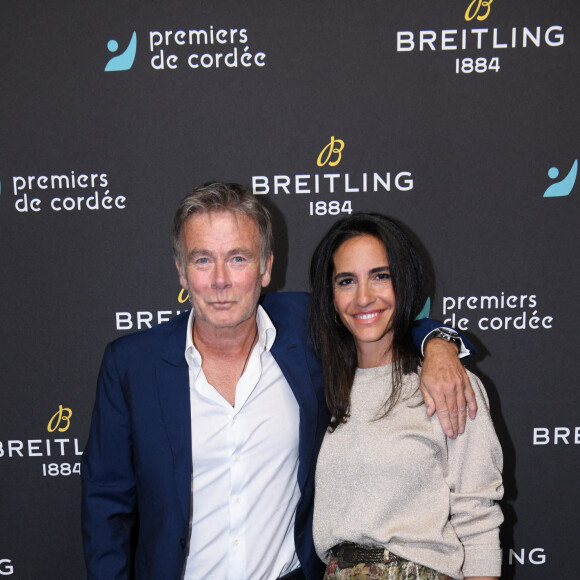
241	220
215	225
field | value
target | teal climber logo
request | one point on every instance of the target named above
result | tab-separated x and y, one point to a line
123	61
425	310
564	186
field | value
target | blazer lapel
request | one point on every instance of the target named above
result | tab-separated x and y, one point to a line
289	353
172	375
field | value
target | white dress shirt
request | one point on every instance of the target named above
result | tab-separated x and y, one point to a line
245	465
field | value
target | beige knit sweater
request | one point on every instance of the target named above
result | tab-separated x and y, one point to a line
399	482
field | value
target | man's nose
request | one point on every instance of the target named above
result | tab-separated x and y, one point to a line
221	277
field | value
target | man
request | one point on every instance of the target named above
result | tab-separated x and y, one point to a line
206	429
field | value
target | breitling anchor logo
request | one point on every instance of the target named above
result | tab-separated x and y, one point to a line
335	147
475	9
60	420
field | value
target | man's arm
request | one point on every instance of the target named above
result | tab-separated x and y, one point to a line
444	383
108	483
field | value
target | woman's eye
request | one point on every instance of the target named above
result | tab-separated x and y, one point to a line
345	281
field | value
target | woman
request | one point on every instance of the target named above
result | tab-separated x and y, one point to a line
395	498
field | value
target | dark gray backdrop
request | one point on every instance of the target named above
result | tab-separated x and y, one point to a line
467	136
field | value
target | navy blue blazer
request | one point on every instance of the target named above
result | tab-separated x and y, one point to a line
137	466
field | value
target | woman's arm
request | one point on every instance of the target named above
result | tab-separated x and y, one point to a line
473	474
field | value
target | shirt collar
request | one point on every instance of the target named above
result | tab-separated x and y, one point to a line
266	336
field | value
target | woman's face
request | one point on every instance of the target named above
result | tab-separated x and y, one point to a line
364	297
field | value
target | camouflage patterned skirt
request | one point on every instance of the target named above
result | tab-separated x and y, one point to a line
352	562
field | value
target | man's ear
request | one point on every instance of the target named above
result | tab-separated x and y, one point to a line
267	275
181	275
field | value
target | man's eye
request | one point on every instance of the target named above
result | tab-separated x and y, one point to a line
202	261
238	259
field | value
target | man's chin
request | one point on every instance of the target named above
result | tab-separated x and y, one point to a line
225	320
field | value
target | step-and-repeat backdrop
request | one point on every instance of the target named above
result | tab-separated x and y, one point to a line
458	117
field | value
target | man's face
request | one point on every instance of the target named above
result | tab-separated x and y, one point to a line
221	268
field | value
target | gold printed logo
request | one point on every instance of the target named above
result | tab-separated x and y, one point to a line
335	147
62	416
476	7
183	296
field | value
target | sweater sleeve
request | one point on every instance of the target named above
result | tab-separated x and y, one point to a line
474	467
